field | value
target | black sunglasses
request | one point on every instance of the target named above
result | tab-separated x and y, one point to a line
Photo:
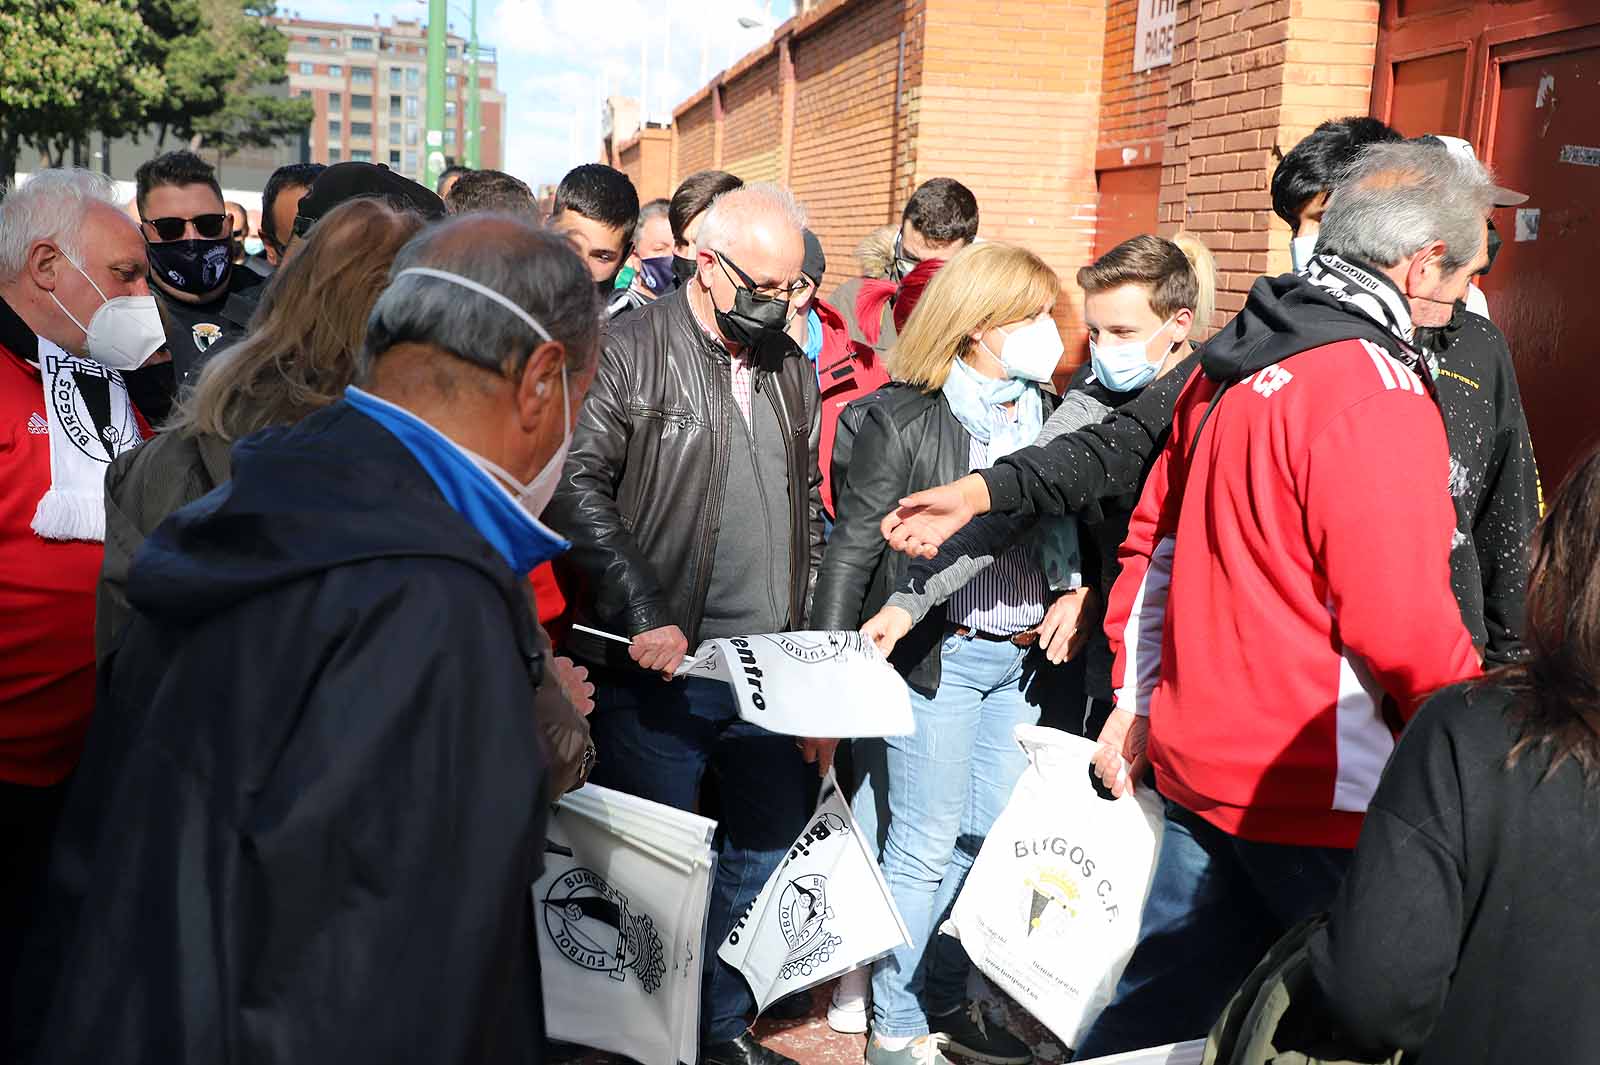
763	292
209	226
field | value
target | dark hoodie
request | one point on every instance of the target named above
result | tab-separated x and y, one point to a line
311	805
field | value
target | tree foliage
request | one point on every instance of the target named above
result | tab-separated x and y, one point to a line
202	70
69	68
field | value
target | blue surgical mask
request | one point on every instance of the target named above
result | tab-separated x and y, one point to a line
1125	365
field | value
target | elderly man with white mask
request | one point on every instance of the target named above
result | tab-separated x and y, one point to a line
313	802
72	284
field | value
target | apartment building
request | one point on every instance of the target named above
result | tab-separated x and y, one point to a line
369	84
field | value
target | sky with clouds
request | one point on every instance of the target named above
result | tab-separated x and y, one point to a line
558	59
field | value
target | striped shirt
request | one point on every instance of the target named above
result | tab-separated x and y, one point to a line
1007	597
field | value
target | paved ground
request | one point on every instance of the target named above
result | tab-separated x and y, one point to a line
812	1042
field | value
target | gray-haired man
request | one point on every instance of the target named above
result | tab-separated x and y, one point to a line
312	803
693	500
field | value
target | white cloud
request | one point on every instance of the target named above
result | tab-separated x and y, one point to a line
558	59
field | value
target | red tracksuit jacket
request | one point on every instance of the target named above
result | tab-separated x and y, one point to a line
1281	626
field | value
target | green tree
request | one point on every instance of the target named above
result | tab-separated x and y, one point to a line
69	68
221	58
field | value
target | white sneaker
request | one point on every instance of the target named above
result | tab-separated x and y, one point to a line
847	1012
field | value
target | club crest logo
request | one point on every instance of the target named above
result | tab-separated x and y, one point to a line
71	410
206	334
1051	888
591	925
803	915
1064	887
812	650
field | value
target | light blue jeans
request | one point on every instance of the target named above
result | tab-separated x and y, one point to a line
945	786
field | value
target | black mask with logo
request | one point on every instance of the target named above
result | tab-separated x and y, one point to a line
192	266
753	318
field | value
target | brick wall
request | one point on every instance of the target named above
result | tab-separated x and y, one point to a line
694	138
1248	78
647	160
751	126
1133	106
844	156
1010	106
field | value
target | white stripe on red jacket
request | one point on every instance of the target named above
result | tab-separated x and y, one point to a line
1280	627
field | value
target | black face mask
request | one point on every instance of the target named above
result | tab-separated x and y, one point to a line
683	269
192	266
1492	250
752	317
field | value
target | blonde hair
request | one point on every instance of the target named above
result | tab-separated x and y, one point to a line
1180	273
301	350
982	286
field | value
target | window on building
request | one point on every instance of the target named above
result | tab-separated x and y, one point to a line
335	101
306	68
413	78
361	75
335	70
361	44
396	78
411	161
453	52
335	127
449	109
411	107
360	155
394	158
360	101
411	133
315	42
450	81
334	155
394	132
361	129
450	137
394	105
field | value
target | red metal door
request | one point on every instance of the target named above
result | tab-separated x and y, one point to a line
1521	80
1544	129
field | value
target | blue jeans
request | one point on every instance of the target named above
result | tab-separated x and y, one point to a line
946	784
656	739
1217	903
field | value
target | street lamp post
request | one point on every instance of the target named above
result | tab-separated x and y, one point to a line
437	27
474	153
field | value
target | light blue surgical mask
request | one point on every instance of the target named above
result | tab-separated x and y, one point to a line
1125	365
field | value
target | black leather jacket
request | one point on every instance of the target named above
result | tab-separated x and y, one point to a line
895	441
641	495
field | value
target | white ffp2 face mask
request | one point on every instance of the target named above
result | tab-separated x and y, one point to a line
123	332
1032	352
1301	249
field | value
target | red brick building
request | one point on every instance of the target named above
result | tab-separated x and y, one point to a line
1075	134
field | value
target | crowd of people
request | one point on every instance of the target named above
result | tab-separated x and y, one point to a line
295	528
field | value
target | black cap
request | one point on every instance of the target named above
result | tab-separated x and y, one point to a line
343	182
815	264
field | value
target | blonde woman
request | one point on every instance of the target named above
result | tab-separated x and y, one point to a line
966	372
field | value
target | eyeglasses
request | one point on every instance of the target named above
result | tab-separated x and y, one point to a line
766	292
209	226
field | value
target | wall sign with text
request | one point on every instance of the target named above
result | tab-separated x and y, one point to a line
1152	36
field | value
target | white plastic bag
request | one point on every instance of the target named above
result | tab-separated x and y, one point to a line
621	925
824	911
1050	911
818	683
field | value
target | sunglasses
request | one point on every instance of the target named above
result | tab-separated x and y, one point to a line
209	226
765	292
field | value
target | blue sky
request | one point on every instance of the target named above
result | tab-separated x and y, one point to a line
560	58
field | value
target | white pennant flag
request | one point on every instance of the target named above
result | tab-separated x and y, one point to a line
621	916
824	911
818	683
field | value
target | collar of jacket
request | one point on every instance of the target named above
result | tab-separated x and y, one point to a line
520	538
16	337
